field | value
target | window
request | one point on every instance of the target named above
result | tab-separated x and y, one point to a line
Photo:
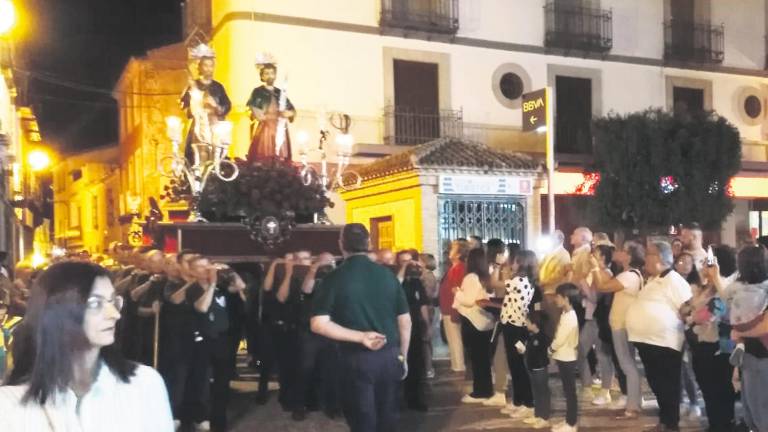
511	86
573	111
416	110
382	233
687	100
95	212
753	107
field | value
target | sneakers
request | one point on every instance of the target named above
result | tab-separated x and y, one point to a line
565	427
510	408
536	422
522	413
497	400
469	399
587	394
603	398
694	412
203	426
620	403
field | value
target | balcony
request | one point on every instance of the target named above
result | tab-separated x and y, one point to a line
432	16
578	28
411	126
687	41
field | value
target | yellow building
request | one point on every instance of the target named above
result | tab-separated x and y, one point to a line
86	200
148	91
436	192
30	188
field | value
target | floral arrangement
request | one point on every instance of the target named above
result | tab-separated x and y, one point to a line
267	188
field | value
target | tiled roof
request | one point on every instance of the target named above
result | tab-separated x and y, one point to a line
449	153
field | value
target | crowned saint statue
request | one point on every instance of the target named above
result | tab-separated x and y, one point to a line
205	100
272	109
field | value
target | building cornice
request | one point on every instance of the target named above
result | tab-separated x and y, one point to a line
234	16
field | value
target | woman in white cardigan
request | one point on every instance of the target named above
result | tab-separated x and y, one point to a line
68	375
476	325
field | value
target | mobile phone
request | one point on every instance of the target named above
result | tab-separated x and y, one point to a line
710	256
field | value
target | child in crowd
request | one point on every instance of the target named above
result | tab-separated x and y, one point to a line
537	361
564	350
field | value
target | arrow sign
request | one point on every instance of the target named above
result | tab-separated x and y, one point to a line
534	110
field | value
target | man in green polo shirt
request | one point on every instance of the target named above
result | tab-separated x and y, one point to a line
362	305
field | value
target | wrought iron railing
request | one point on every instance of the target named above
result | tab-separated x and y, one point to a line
692	41
579	28
408	126
434	16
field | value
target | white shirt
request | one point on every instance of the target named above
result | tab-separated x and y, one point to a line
514	310
566	342
654	318
141	405
469	293
623	300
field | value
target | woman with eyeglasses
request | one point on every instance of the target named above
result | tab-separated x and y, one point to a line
68	374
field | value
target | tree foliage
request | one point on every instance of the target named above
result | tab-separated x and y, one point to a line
657	169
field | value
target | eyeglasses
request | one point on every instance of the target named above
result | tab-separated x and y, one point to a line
96	303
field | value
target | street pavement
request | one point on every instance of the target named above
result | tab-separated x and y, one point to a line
446	412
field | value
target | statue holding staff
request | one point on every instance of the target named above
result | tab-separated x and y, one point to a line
272	109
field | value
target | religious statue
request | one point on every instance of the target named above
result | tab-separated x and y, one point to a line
205	100
272	110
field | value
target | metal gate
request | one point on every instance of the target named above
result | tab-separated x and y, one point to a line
486	217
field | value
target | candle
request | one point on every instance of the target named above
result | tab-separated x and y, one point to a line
344	143
173	128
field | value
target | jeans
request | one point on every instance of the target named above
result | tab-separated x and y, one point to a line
662	369
688	379
588	337
521	382
625	352
541	394
479	346
568	377
754	382
370	384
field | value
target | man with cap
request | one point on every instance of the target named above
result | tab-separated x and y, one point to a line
361	305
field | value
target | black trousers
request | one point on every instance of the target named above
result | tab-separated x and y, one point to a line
521	381
267	356
221	373
309	380
287	352
190	392
713	373
370	382
478	345
414	383
662	370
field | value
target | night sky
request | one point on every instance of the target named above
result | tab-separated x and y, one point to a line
72	54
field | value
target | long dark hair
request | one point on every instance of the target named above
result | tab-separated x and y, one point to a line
477	264
752	263
527	265
52	335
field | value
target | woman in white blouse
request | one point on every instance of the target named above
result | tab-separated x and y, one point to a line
476	325
68	375
514	315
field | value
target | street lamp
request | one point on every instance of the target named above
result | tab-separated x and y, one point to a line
38	160
7	16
